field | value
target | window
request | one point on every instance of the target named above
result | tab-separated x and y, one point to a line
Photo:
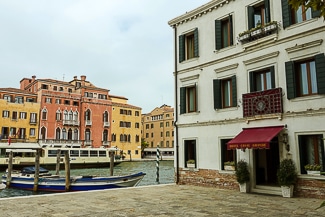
161	134
55	88
152	135
23	115
75	134
167	124
137	138
188	99
60	88
58	115
48	100
64	134
5	114
152	126
137	125
19	99
137	113
44	87
311	148
58	134
66	102
14	115
305	77
167	133
30	100
87	135
161	124
105	135
105	116
113	137
32	132
291	16
258	14
87	115
44	114
147	135
226	155
224	33
7	97
190	151
262	80
225	92
58	101
33	118
189	45
147	126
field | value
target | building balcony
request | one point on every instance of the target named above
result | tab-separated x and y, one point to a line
106	144
88	122
59	141
71	122
106	124
258	32
262	102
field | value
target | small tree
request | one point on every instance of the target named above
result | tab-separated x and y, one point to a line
317	5
287	174
144	144
242	172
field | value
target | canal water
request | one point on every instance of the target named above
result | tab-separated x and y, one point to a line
166	175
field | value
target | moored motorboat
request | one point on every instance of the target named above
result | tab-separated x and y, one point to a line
24	179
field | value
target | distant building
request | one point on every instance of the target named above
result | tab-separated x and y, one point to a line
250	85
158	129
125	129
19	116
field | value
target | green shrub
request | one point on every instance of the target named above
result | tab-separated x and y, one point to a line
242	172
287	174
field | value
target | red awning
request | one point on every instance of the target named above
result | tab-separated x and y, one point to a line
258	137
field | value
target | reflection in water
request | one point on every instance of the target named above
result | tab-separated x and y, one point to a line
166	175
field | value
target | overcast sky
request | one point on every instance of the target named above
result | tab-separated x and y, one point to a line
125	46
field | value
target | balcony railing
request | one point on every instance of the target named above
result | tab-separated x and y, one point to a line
262	102
88	122
106	143
258	32
71	122
106	124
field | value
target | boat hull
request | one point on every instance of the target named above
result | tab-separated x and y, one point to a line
57	184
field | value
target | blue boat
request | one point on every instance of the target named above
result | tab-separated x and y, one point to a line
24	179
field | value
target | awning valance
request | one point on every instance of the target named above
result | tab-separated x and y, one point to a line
258	137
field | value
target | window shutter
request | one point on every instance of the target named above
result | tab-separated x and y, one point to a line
223	152
267	11
251	82
217	94
314	13
250	11
218	34
182	100
272	76
286	13
196	42
196	98
181	47
302	155
234	91
231	33
320	72
290	79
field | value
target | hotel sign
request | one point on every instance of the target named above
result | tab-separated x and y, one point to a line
249	145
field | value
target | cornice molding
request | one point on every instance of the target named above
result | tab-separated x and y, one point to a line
261	58
226	68
304	46
190	78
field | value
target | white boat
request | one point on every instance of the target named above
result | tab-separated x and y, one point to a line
24	179
24	155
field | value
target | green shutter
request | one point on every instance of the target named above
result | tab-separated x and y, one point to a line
251	82
181	47
267	11
286	13
272	76
320	72
302	155
196	98
217	94
218	33
231	29
196	42
182	100
250	11
234	90
322	151
315	14
290	79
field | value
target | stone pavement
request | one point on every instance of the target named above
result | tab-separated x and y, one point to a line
159	201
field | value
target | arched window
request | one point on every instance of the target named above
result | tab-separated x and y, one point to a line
75	134
66	117
129	138
70	134
64	134
87	135
70	115
75	116
87	115
105	135
43	133
58	115
58	133
44	114
105	116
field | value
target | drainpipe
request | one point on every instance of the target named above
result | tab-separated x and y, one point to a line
176	106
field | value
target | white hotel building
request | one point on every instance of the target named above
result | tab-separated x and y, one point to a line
259	97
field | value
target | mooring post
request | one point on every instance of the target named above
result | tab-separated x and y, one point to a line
157	165
67	170
58	158
37	167
9	169
111	163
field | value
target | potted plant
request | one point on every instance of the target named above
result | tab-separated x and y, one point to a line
257	30
242	174
287	177
313	169
270	26
244	35
190	163
229	165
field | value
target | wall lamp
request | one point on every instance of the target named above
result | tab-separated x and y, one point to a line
285	141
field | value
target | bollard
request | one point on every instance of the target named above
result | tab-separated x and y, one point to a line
58	158
157	165
37	168
9	169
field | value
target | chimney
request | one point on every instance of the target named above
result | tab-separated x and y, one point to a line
83	77
33	78
74	78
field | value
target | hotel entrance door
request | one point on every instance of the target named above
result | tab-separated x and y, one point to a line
266	164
